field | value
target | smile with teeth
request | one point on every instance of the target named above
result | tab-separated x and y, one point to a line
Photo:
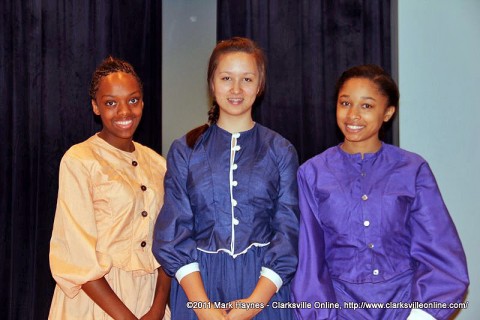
124	123
354	127
235	100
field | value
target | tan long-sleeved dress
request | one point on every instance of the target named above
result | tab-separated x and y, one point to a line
108	201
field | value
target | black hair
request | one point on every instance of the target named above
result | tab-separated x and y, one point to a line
108	66
377	75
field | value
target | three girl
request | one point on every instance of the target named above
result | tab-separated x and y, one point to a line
373	225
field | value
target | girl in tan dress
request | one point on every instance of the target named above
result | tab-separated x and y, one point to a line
110	192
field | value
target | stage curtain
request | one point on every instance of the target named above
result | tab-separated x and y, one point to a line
48	51
308	43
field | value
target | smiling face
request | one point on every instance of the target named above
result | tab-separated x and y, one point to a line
361	111
119	103
235	86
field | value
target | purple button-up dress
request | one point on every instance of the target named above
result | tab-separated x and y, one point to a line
374	230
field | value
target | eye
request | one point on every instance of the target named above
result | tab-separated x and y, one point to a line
344	103
367	106
225	78
110	103
134	100
247	79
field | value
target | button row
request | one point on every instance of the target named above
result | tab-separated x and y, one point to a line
144	213
234	183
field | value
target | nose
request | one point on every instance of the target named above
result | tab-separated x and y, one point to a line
353	113
236	86
123	109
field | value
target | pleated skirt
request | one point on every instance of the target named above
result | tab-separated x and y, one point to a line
227	279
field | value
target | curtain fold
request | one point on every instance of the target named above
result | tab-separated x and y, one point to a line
308	44
48	52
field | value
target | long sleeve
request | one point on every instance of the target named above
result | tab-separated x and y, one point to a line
281	255
73	256
441	270
312	281
173	242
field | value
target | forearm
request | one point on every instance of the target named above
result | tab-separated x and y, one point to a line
162	292
248	308
193	286
264	291
102	294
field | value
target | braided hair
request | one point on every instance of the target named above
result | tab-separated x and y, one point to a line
108	66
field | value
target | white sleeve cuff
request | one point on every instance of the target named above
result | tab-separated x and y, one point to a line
186	270
419	314
272	276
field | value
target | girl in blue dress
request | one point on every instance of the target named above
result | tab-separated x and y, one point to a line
228	229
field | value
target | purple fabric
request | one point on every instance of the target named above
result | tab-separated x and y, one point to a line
375	229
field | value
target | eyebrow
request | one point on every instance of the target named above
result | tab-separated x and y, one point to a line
229	72
348	96
130	94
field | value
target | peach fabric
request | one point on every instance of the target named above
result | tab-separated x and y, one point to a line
108	201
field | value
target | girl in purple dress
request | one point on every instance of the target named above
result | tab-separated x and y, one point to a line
373	227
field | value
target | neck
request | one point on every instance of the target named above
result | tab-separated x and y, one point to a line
359	147
235	125
122	144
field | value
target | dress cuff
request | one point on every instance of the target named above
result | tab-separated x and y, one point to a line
272	276
419	314
186	270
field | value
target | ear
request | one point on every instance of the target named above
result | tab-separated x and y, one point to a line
389	113
95	107
212	88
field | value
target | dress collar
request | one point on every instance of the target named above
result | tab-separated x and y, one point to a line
357	157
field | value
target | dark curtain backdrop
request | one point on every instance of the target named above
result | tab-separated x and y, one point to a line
308	44
48	51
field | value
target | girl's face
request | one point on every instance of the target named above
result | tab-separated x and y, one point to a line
119	103
361	111
235	84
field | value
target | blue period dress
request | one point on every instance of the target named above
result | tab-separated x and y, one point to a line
230	212
375	230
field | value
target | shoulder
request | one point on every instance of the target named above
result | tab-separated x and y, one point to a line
179	153
402	156
179	145
82	151
320	160
150	154
274	139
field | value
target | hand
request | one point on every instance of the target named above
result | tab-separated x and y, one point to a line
211	314
152	315
245	309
